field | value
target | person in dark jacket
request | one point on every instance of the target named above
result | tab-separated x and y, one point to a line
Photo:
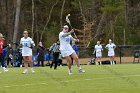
40	54
9	54
20	56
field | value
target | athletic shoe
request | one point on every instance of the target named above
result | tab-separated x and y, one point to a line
60	65
70	72
25	71
81	71
6	70
20	66
32	70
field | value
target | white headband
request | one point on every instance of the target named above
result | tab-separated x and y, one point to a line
66	26
110	40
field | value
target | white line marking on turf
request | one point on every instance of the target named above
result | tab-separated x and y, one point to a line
26	85
43	83
88	79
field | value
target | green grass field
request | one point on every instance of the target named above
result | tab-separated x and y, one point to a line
123	78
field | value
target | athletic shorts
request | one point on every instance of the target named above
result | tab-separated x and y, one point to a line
98	54
66	53
111	53
27	53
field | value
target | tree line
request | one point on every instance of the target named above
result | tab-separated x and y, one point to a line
115	19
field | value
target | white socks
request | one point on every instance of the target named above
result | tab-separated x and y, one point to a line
79	68
112	62
4	68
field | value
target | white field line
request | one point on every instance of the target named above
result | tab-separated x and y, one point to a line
23	85
88	79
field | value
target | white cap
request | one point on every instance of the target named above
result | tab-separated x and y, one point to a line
66	26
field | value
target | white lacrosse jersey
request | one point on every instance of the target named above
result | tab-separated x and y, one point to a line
65	47
98	50
26	46
111	48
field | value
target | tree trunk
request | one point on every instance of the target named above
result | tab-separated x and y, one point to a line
16	27
10	8
100	26
48	20
33	18
83	19
81	10
3	15
61	16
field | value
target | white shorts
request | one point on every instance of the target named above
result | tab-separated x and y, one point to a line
98	54
66	53
111	53
27	53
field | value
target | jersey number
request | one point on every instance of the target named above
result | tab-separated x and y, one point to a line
25	45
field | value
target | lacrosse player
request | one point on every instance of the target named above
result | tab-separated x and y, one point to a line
27	44
98	50
67	50
111	47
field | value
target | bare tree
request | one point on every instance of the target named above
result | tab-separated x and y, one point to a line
61	16
84	21
3	15
81	10
16	27
100	26
33	18
48	19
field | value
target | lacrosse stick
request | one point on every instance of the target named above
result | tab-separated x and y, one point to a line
68	21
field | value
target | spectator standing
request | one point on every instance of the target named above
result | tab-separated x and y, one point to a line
9	54
40	54
20	56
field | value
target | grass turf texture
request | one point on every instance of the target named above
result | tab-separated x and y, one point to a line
97	79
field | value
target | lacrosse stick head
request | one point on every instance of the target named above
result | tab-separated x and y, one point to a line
67	19
68	15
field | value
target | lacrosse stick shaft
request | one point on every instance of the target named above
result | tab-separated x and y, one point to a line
68	21
75	35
